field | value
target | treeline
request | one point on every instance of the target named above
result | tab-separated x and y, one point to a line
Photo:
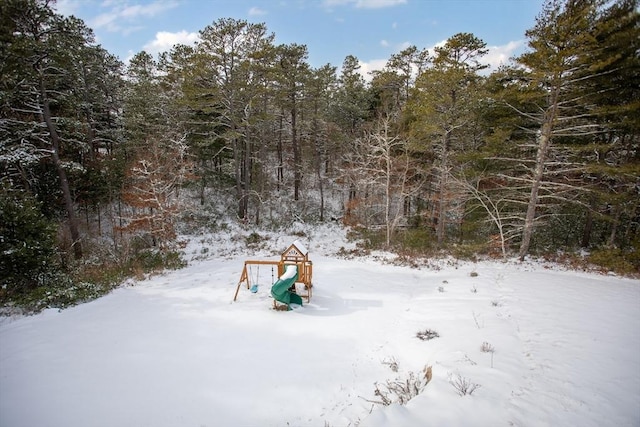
96	157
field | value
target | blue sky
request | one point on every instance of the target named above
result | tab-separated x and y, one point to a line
371	30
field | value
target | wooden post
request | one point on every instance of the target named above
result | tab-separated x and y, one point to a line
244	277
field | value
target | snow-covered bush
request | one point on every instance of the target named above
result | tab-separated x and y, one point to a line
427	334
403	388
487	348
464	386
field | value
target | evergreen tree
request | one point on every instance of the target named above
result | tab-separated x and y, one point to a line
613	164
230	61
43	54
443	113
353	100
561	68
350	112
27	244
319	92
291	76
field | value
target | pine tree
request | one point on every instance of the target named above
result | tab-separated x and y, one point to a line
27	244
561	68
292	75
613	165
229	70
319	91
42	68
442	114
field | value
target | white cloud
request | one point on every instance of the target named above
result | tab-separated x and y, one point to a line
432	49
256	11
121	16
66	7
165	40
404	45
500	55
106	20
364	4
373	65
377	4
497	55
147	10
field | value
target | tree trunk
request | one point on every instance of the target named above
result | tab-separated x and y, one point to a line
614	226
247	171
588	225
388	195
203	182
544	143
88	116
239	169
62	175
442	192
541	158
280	169
318	163
296	153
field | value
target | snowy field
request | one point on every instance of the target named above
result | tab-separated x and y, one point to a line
543	347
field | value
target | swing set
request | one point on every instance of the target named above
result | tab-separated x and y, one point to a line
291	285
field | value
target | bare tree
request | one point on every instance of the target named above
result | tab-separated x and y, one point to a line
498	202
380	164
154	181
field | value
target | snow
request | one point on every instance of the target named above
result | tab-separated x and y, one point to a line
301	247
174	350
289	272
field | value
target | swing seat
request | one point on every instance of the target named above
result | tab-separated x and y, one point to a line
254	289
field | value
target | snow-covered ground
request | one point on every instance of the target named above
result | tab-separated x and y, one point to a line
544	347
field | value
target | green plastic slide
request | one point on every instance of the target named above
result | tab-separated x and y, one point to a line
280	290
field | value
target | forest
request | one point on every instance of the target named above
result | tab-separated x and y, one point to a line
104	165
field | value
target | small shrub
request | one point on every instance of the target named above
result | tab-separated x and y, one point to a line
487	348
417	239
392	363
474	290
440	289
254	239
495	303
64	293
476	321
373	239
468	251
350	253
153	260
402	390
617	260
427	334
464	386
90	279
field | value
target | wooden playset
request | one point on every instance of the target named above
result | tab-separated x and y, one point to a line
292	285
